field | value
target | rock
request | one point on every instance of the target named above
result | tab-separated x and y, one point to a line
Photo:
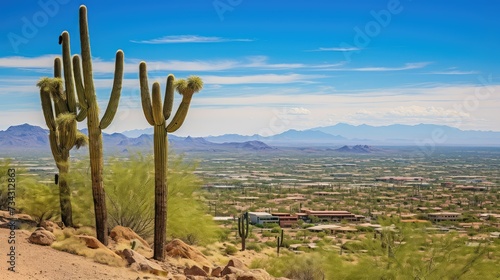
49	225
135	259
125	234
179	277
42	237
255	274
24	217
91	241
216	272
195	271
231	270
237	263
178	249
230	277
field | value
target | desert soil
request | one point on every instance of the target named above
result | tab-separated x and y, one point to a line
42	262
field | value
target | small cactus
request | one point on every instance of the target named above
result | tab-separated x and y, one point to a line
279	243
243	225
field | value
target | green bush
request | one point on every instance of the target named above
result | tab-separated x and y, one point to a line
254	246
230	250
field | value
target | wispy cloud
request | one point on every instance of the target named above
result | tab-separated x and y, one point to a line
454	72
336	49
260	79
179	39
44	61
407	66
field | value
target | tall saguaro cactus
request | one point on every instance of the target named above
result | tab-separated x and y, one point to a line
243	229
89	108
157	114
63	133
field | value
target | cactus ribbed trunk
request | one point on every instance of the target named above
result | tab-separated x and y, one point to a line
160	151
96	166
64	191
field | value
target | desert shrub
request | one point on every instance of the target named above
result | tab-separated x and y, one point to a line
254	246
38	200
4	167
230	250
129	186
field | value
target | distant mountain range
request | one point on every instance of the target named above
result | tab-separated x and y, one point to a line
360	139
33	138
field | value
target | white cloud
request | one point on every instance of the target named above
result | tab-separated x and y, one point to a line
259	79
44	61
454	72
337	49
298	111
407	66
177	39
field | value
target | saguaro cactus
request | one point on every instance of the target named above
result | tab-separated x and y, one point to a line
89	108
63	133
157	114
243	229
279	243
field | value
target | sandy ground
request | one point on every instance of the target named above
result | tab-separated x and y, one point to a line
41	262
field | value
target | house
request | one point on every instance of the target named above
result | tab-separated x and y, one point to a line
443	216
260	218
331	216
286	219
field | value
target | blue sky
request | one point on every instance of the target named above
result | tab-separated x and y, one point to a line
269	66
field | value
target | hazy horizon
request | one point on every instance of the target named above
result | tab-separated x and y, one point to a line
270	67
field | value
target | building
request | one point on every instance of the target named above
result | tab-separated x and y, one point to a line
444	216
260	218
286	219
332	216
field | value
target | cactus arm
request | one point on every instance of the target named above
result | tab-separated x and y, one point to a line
169	97
68	73
180	115
80	90
145	99
71	135
54	146
246	226
157	106
114	99
48	112
57	67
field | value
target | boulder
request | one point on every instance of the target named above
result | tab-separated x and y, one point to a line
91	242
237	263
179	277
135	259
216	272
178	249
231	270
24	217
49	225
125	234
42	237
195	271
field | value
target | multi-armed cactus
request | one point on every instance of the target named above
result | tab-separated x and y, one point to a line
279	243
89	108
157	115
243	229
63	133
